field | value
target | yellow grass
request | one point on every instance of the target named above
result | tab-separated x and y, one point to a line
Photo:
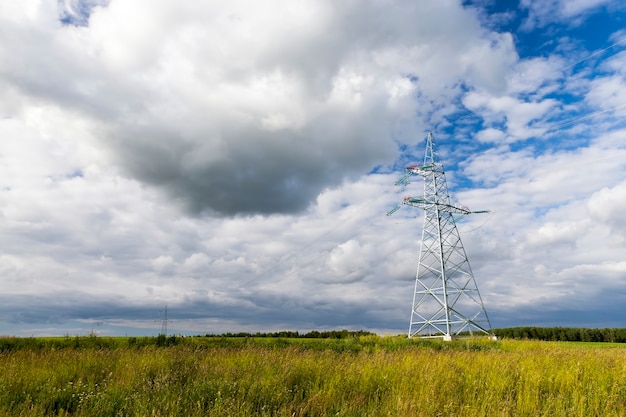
366	376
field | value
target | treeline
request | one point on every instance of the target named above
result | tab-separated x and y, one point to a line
564	334
330	334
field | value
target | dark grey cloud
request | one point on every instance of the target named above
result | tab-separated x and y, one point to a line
294	311
269	310
251	171
605	314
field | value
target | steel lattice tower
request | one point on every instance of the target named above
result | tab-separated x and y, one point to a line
446	301
164	322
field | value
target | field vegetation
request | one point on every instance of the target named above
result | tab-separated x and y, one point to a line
363	375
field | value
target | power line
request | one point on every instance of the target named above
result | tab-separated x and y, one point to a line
587	57
587	116
591	115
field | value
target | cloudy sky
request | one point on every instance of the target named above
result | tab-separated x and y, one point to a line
235	161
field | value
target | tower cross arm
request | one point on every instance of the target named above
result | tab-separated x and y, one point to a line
449	208
415	170
462	210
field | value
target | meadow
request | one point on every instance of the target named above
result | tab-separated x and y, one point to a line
358	376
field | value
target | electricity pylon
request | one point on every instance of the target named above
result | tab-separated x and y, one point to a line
446	301
164	322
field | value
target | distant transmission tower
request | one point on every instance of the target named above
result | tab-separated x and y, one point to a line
164	322
446	301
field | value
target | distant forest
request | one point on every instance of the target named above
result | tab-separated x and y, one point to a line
331	334
564	334
561	334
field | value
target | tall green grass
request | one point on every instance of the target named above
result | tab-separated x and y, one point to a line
366	376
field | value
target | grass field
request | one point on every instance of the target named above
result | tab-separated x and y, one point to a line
363	376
